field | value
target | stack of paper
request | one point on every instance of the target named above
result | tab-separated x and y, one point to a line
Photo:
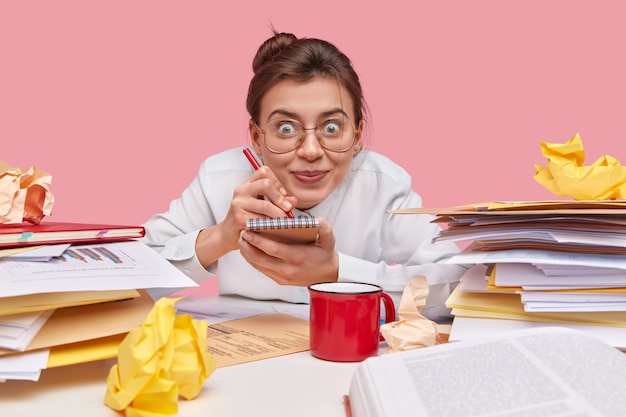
17	330
72	302
539	262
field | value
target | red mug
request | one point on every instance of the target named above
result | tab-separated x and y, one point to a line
345	320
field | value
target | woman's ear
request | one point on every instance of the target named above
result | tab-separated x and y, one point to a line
358	138
255	137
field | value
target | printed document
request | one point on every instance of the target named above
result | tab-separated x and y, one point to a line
109	266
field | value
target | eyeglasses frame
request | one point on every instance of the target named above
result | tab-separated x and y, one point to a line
303	136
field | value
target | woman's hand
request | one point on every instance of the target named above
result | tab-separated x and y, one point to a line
261	195
289	264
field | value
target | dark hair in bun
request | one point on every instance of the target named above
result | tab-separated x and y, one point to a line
284	56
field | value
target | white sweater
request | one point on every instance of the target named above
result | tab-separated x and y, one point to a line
373	246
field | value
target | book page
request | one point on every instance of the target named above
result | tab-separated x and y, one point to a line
538	372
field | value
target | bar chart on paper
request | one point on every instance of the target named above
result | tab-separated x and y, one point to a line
91	255
84	261
109	266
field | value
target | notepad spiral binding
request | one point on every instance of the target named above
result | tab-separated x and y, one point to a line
282	223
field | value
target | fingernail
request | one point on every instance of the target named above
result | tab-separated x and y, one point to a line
286	205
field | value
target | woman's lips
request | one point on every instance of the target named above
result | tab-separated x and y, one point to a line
309	177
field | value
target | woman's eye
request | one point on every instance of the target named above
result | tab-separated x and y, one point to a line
332	127
286	129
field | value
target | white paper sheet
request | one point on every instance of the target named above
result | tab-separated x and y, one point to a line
110	266
25	366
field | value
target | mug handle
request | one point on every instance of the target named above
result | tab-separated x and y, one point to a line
390	310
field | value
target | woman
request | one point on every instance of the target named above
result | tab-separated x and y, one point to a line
307	117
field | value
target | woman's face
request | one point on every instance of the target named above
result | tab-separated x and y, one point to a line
309	172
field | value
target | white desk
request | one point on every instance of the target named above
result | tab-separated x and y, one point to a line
292	385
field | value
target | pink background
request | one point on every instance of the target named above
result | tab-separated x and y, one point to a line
121	100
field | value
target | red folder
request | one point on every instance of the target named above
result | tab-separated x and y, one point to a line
48	233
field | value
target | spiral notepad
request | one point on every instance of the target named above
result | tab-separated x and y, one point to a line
297	230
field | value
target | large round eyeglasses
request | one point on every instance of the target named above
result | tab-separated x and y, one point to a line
336	134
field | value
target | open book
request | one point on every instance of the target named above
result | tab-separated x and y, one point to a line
547	371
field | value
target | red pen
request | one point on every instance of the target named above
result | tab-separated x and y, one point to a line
255	164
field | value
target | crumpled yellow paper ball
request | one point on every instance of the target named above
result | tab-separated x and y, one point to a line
412	330
24	194
166	356
566	176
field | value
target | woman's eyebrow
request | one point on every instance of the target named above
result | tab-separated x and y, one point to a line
292	115
282	112
333	112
